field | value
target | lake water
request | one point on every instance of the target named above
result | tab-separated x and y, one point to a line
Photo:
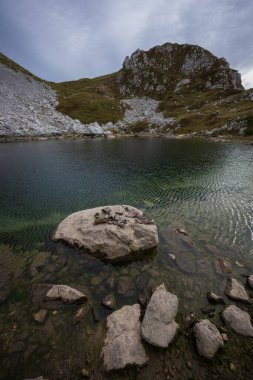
204	187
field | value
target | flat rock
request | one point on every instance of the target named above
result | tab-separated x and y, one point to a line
112	233
223	266
238	320
158	326
65	293
122	345
236	291
208	338
250	281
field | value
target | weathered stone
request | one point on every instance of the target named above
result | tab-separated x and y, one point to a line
158	326
238	320
213	298
208	338
208	309
236	291
123	234
40	316
223	266
250	281
122	345
109	301
81	313
66	294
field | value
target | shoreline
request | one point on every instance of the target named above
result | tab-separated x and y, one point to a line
184	136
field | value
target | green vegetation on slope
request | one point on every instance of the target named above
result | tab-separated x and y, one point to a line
204	110
90	100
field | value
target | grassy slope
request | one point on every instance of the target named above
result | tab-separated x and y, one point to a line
208	109
90	100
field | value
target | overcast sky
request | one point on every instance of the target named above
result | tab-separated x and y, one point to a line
62	40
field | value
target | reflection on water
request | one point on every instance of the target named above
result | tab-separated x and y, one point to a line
204	187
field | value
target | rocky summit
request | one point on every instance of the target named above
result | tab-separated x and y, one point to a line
171	67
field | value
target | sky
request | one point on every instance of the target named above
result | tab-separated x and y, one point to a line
62	40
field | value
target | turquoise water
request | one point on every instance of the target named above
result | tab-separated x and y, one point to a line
204	187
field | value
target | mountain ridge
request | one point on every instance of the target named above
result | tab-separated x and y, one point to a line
170	88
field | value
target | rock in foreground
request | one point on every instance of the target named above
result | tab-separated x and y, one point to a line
236	291
112	233
122	346
238	320
65	293
158	326
208	338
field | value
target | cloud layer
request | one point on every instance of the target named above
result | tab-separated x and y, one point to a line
69	39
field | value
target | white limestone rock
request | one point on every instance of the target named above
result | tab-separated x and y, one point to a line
112	233
208	338
122	345
158	326
65	293
238	320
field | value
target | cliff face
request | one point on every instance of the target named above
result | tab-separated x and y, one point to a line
171	67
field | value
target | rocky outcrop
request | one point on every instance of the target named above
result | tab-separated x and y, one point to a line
28	108
122	346
173	67
112	233
238	320
208	338
158	326
236	291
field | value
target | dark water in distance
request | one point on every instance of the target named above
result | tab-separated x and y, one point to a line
206	186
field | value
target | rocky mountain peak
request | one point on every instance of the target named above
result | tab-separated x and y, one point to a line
172	67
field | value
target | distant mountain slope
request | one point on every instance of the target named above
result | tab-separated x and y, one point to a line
168	89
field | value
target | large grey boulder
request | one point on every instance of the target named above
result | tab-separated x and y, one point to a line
158	326
112	233
236	291
122	345
65	293
238	320
208	338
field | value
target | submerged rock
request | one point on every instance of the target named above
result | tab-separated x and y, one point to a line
109	301
65	293
238	320
122	345
158	326
112	233
236	291
208	338
213	298
250	281
40	316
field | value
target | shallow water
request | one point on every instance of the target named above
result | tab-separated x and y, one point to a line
204	187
